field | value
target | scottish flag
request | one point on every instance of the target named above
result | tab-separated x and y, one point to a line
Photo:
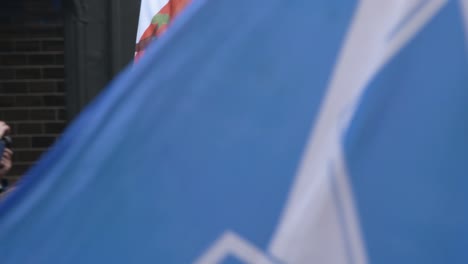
266	132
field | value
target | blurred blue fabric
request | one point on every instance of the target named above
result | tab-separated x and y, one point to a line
205	133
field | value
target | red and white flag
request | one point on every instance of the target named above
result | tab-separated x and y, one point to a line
155	16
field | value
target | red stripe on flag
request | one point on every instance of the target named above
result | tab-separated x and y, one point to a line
153	31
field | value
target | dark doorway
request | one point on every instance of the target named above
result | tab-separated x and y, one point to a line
99	43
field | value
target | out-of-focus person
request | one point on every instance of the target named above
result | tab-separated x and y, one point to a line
6	157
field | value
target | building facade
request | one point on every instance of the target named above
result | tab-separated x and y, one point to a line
54	58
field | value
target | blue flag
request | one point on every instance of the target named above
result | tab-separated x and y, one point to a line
265	132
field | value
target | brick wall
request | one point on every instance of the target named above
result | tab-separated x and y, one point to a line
31	78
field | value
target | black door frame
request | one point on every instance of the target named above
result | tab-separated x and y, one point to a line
99	42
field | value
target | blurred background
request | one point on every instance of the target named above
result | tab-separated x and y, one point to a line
55	56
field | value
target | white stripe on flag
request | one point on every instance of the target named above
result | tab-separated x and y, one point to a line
368	44
464	8
230	244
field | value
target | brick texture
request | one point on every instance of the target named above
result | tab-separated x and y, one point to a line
31	78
